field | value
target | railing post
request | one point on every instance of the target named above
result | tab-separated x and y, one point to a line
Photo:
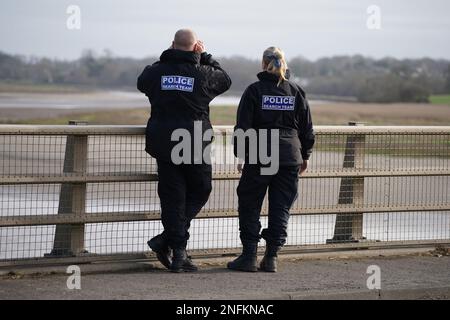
69	239
349	227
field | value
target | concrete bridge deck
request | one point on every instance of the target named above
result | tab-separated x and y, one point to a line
405	274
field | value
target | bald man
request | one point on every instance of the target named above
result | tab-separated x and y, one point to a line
180	87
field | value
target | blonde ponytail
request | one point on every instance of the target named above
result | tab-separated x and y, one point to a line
275	63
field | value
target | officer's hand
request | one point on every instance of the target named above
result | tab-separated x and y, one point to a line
304	166
239	167
199	47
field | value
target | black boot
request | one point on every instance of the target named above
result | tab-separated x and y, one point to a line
246	261
181	262
159	245
269	262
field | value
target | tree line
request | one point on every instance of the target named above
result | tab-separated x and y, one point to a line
362	78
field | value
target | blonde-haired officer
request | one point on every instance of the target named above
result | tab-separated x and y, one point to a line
272	103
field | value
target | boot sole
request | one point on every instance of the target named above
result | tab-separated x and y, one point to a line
265	270
242	269
183	270
161	256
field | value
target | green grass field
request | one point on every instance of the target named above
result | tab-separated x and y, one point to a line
440	99
220	115
7	87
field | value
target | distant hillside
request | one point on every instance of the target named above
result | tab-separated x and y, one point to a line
350	77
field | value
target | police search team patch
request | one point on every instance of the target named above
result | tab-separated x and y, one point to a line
177	83
281	103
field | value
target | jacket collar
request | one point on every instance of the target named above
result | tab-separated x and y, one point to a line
264	75
180	56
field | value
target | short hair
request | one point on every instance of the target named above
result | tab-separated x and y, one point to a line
185	39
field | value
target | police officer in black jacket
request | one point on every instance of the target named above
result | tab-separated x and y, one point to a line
180	87
272	103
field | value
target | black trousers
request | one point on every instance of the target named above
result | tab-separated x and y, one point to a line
252	188
183	191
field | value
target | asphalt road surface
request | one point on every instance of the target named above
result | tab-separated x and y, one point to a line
331	277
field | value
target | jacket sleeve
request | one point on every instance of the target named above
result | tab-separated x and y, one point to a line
217	80
144	79
306	131
244	116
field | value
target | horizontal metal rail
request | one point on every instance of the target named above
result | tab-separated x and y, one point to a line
71	218
140	177
140	130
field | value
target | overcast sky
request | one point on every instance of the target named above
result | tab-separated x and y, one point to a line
313	29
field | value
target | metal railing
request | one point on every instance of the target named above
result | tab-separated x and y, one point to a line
80	193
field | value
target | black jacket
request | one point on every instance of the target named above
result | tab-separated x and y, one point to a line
179	87
264	105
